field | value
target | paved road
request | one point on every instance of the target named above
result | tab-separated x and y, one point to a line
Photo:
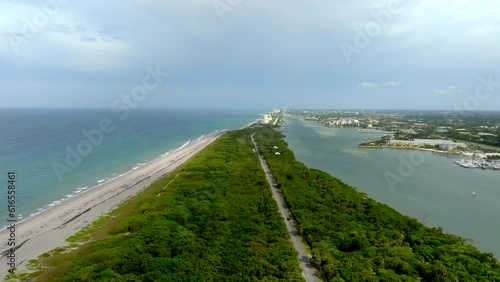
308	271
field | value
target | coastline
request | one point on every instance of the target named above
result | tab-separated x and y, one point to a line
404	148
85	188
439	191
50	228
375	131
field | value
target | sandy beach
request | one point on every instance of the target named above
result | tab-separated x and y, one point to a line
50	229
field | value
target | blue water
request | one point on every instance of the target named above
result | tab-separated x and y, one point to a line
34	141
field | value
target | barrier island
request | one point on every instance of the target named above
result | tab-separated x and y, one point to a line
214	219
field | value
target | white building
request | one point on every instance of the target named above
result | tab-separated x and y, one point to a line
266	119
344	122
443	144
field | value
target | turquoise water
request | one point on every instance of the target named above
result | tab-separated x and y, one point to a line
33	140
436	191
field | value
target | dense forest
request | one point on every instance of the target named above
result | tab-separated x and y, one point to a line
355	238
216	221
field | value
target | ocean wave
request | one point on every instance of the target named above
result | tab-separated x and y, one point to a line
165	154
78	191
183	146
138	166
75	193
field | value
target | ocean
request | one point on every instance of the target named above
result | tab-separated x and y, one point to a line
422	185
59	153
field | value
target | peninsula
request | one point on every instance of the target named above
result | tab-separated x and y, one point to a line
214	218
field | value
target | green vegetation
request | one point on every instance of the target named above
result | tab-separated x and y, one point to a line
213	219
480	129
216	221
355	238
84	234
382	142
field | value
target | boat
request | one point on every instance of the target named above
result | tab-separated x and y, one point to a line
479	163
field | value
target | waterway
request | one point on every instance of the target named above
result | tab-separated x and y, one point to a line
419	184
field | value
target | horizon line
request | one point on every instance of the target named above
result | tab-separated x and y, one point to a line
260	109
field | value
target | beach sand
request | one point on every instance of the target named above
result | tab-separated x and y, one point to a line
50	229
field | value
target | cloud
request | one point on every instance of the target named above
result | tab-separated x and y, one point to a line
88	39
440	91
369	85
392	83
448	89
103	47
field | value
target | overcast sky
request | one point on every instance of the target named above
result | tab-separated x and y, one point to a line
422	54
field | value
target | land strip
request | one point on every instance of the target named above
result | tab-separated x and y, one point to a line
308	270
50	229
211	219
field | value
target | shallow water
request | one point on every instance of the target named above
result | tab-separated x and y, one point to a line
433	190
33	140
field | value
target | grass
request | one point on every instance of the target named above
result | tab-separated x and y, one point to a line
229	201
57	261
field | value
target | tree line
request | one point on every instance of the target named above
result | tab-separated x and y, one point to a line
216	221
355	238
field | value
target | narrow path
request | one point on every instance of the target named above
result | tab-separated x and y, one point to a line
308	271
276	120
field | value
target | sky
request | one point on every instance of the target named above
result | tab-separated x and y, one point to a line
339	54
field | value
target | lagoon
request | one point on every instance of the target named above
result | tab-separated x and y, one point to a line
436	191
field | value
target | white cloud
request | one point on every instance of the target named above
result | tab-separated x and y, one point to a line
448	89
391	83
440	91
367	85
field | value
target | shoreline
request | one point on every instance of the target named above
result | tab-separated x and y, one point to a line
82	190
407	148
50	228
375	131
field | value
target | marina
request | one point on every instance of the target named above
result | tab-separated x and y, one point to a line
479	163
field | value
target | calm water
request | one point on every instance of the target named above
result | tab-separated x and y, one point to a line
31	141
437	192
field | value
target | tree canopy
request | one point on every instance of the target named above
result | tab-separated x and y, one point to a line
355	238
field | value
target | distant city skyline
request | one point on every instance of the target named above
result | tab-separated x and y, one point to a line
263	110
406	55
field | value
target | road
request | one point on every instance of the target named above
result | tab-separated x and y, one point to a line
276	120
308	271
